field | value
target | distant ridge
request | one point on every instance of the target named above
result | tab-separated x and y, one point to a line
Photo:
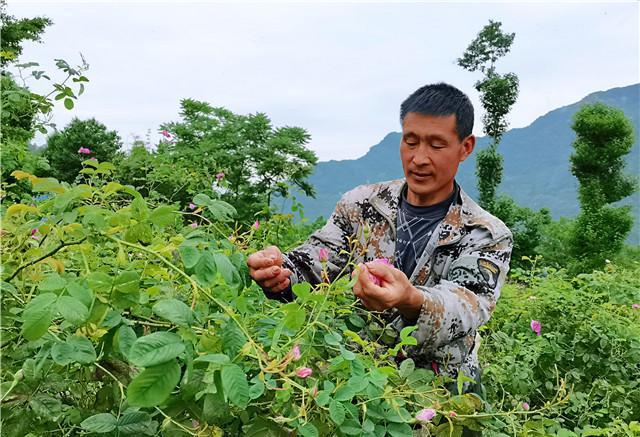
536	162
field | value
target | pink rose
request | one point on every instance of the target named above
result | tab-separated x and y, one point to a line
304	372
192	206
84	151
373	278
219	176
453	414
525	406
165	133
635	306
426	415
296	352
324	255
536	327
193	225
256	225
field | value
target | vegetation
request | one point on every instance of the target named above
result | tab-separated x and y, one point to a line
127	308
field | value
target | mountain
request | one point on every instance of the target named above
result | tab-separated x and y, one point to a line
536	163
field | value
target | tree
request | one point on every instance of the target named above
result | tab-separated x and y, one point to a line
257	160
78	141
498	93
604	135
14	32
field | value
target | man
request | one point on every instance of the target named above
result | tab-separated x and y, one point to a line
450	257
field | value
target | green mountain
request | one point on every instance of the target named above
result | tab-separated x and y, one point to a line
536	163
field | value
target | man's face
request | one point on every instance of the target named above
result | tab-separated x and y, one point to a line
431	152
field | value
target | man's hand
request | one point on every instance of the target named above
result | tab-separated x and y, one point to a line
395	290
265	267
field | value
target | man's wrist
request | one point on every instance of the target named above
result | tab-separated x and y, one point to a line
411	307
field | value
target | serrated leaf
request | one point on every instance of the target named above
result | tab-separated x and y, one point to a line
235	385
134	422
73	311
295	316
308	430
127	282
190	255
155	348
407	367
75	349
302	290
333	339
163	215
337	412
205	270
226	269
123	340
52	283
99	423
37	316
100	282
154	385
232	339
175	311
80	292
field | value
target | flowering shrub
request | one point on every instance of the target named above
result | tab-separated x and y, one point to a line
120	319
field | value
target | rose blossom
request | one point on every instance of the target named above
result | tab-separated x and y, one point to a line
426	415
304	372
536	327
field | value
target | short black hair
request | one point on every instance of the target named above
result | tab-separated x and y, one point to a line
441	99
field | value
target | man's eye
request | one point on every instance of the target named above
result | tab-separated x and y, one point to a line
438	146
411	143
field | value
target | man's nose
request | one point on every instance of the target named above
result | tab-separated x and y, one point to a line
421	157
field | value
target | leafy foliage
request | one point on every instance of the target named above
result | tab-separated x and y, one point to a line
63	147
603	137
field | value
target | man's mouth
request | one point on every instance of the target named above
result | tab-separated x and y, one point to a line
420	175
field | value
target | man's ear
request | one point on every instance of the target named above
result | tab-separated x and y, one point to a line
468	144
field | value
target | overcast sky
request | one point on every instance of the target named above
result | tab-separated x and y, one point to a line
340	70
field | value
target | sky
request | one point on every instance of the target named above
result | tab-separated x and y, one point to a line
338	69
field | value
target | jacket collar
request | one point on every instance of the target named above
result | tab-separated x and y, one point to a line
463	212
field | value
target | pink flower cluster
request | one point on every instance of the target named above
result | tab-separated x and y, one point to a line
303	372
84	151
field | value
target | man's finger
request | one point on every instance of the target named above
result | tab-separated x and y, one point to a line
258	260
281	286
280	277
381	270
273	253
261	275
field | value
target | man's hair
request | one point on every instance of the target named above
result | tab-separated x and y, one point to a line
441	99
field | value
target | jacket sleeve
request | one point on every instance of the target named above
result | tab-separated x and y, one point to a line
304	261
464	300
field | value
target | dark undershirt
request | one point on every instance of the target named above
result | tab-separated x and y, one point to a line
415	225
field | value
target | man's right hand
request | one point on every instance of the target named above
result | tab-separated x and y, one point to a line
265	267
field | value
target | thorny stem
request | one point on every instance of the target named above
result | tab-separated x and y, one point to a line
45	256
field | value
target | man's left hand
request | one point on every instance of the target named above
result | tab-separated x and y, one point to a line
395	290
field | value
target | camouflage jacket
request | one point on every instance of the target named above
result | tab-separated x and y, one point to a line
461	271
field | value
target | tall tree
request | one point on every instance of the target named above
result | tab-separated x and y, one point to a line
78	141
604	135
498	93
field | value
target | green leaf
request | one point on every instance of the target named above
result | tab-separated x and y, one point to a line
163	215
337	412
127	282
226	269
333	339
302	290
123	340
190	255
154	385
75	349
214	358
80	292
68	103
155	348
52	283
256	390
407	367
134	422
37	316
308	430
99	282
296	316
73	311
344	393
175	311
233	339
100	423
235	384
205	271
400	430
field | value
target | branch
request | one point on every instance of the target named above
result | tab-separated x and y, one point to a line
45	256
